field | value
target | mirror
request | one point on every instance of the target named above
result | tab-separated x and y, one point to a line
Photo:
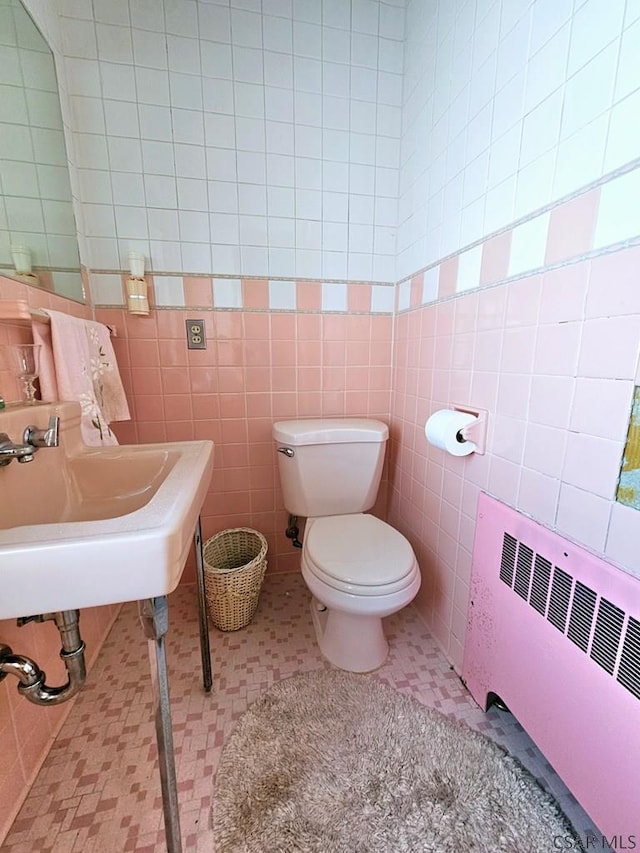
37	225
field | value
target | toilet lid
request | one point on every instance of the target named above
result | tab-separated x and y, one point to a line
359	550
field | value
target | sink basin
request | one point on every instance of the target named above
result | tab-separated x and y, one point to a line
84	526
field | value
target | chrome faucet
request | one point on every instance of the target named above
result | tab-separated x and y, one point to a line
43	437
32	439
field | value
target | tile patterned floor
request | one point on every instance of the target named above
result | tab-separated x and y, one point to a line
99	788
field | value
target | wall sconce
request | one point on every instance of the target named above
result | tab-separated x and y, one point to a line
137	299
21	256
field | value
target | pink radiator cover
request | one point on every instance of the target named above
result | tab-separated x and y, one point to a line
584	721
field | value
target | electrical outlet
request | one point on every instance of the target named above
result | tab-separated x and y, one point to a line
195	334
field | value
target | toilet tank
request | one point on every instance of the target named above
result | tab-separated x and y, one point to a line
330	466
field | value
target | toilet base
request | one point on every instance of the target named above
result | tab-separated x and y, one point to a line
349	641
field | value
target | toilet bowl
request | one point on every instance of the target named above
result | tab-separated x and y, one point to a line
358	568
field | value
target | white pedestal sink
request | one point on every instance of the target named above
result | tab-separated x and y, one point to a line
84	526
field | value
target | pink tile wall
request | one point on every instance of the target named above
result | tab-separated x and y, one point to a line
554	358
26	730
259	367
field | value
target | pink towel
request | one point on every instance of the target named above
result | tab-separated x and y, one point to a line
77	362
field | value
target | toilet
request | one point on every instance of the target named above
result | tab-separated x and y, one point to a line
358	568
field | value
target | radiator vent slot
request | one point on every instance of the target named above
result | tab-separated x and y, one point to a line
540	584
606	637
559	600
629	669
523	571
581	619
592	623
508	559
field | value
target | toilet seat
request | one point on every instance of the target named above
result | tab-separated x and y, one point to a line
359	554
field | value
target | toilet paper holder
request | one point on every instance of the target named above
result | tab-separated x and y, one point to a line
476	431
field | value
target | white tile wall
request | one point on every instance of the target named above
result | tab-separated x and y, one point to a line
257	123
530	100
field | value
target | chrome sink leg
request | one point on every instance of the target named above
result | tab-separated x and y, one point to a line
205	648
155	622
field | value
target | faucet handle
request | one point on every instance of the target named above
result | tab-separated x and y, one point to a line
43	437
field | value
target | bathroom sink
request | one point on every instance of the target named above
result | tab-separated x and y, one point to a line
84	526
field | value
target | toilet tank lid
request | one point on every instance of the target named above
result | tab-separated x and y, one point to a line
330	431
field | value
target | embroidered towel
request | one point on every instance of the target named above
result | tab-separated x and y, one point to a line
77	362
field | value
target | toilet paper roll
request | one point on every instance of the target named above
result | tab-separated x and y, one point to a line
442	430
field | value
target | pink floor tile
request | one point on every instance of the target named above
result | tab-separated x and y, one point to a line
99	788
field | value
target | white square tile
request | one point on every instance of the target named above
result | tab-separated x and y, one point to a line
163	224
279	136
590	91
404	295
227	292
152	86
121	118
547	18
624	132
160	191
249	100
336	45
131	223
181	18
384	268
127	189
218	97
192	194
194	226
307	39
430	284
583	516
184	94
595	24
334	296
336	14
627	76
277	34
221	164
619	211
106	289
308	262
168	290
225	259
535	184
623	538
253	230
280	170
196	257
382	299
150	49
246	28
504	156
125	155
114	43
541	129
190	161
529	245
248	65
282	295
580	157
469	264
225	228
360	266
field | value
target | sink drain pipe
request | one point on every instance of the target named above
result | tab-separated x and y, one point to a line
32	679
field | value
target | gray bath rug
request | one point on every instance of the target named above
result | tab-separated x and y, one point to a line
330	762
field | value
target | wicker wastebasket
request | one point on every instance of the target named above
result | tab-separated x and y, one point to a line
235	561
